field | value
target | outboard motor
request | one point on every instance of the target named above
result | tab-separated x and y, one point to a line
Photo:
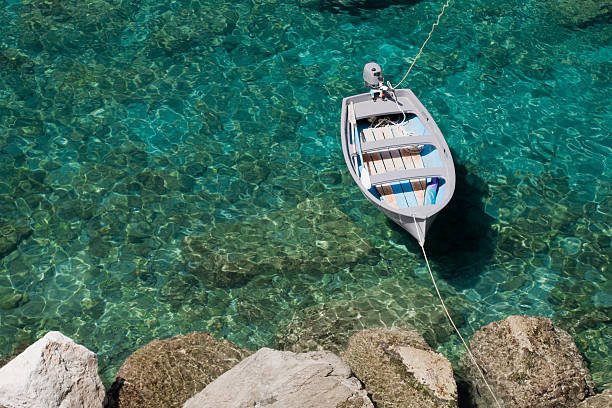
372	75
373	78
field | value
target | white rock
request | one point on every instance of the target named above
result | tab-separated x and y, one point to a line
431	369
53	372
279	379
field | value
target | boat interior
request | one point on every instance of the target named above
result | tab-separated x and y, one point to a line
380	155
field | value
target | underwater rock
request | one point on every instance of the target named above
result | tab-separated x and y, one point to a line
10	299
580	13
53	372
603	400
320	327
11	235
174	32
315	237
328	326
22	341
353	6
13	58
253	171
152	182
284	379
165	373
181	290
561	234
577	310
528	362
398	368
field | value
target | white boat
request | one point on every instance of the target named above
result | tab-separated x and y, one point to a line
398	157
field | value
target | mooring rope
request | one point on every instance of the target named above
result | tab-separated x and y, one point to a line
421	243
424	43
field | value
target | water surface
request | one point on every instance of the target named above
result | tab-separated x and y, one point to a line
168	167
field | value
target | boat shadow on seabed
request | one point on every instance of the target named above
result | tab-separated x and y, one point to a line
461	242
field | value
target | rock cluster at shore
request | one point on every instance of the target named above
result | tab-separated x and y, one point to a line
527	360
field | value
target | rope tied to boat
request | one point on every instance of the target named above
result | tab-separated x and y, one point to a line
469	352
433	27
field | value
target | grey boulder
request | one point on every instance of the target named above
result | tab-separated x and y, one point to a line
528	363
275	379
53	372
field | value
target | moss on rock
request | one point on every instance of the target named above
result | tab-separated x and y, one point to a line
373	357
165	373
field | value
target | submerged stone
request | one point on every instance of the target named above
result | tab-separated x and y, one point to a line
580	12
285	241
320	327
329	326
11	235
12	300
182	290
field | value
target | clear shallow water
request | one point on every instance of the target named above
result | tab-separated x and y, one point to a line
170	167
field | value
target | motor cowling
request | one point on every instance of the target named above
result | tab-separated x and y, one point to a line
372	75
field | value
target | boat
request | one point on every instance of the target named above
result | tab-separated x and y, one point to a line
396	154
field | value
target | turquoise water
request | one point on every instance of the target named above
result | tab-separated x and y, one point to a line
176	166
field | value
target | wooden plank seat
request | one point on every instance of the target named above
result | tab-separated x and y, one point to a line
405	174
392	194
381	134
395	143
377	166
374	164
412	160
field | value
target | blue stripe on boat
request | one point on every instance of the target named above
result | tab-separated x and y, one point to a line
431	191
374	191
414	125
408	193
400	195
441	190
431	156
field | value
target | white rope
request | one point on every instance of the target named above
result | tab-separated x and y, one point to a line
396	103
423	46
449	316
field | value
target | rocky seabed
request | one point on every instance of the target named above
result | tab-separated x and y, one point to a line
527	361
